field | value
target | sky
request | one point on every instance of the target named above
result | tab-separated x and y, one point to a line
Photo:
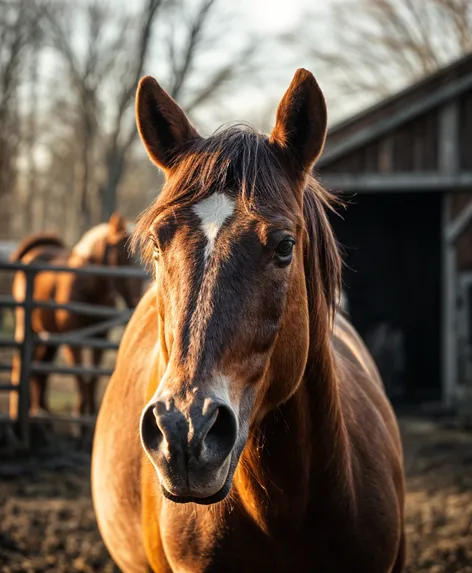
269	16
251	99
256	100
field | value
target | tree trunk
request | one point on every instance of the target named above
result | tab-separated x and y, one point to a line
32	207
109	191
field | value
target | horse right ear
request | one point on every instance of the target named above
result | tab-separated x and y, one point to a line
117	224
162	124
300	126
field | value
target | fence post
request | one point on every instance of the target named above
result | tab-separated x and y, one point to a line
26	358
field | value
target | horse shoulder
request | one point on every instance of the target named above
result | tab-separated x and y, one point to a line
117	453
360	383
375	444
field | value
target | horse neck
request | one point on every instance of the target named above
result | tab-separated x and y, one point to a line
298	446
91	247
97	253
328	424
95	287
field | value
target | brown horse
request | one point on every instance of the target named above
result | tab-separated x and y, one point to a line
245	427
105	244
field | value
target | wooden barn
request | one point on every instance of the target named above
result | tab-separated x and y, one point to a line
404	166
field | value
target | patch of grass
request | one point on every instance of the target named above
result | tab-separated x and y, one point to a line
7	323
62	402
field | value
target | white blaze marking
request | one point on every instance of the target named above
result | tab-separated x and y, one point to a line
213	212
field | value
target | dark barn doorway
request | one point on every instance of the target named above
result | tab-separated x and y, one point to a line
392	278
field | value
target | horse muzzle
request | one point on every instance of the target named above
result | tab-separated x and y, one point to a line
191	447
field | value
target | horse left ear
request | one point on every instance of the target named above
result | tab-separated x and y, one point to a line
117	224
162	124
301	121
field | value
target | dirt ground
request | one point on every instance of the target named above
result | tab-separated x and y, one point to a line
47	521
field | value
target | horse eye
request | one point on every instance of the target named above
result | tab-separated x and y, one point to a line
155	245
283	252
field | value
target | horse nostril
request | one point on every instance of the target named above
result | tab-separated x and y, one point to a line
221	436
151	434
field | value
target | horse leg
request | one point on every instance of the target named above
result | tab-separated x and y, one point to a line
73	356
401	556
38	391
15	381
16	363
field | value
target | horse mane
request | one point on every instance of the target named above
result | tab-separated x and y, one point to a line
323	263
33	241
238	157
84	248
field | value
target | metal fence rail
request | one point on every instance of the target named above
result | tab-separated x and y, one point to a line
79	338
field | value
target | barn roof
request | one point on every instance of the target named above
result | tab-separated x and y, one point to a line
431	92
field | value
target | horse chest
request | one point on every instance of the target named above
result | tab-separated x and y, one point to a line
235	546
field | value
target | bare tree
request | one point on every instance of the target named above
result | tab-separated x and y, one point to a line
76	152
33	210
372	47
187	39
122	136
103	80
86	71
16	18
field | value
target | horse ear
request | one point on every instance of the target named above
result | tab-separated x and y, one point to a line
301	121
117	224
162	124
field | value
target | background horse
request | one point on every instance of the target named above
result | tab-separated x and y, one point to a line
270	444
105	244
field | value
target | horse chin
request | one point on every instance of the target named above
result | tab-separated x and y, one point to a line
210	500
216	497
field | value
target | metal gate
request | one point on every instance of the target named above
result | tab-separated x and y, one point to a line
83	337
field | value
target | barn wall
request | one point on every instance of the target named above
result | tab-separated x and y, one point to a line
393	242
410	148
464	243
465	131
388	108
392	277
